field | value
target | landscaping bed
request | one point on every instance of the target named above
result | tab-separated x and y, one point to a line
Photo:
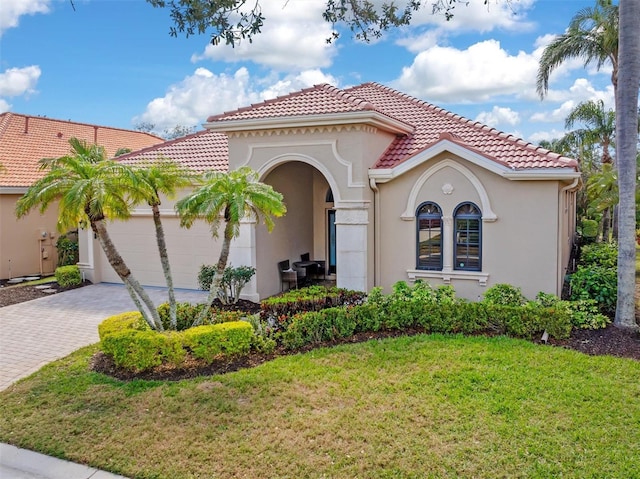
14	294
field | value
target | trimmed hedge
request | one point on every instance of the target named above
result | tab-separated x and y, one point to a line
134	346
68	275
277	311
459	317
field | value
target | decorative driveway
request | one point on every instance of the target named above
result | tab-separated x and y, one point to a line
37	332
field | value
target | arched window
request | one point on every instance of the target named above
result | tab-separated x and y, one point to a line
467	247
429	236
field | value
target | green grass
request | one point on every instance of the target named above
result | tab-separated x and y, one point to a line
412	407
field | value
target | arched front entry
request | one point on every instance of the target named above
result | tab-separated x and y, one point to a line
304	229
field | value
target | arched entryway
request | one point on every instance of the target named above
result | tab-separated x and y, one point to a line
306	228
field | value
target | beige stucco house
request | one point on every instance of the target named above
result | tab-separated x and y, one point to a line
27	246
380	185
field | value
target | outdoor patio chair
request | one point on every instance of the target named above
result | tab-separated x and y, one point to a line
287	275
317	268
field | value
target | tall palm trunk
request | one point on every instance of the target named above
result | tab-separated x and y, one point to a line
606	223
166	268
124	273
217	277
627	149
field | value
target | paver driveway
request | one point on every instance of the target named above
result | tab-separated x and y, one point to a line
37	332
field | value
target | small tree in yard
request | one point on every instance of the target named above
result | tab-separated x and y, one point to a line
91	189
149	181
229	197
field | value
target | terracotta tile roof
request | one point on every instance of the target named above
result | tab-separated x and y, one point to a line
201	151
431	124
25	140
317	100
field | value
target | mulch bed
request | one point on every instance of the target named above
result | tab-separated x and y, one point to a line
14	294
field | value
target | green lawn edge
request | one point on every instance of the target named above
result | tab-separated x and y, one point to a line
419	406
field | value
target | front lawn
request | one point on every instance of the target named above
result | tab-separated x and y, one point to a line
421	406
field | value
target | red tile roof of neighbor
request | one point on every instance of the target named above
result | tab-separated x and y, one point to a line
431	124
25	140
201	151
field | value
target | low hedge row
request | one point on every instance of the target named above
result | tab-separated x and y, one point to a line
278	310
455	317
134	346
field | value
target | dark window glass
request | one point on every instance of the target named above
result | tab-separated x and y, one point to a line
467	237
429	237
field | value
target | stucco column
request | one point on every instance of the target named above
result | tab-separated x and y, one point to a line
352	245
242	252
86	255
447	243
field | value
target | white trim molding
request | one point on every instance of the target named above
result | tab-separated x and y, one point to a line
333	144
366	117
447	276
409	214
382	175
276	161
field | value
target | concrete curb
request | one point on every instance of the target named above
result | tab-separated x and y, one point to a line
16	463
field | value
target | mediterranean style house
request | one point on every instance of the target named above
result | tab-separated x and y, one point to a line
381	186
27	246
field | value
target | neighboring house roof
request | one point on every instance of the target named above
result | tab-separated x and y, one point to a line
427	124
201	151
25	140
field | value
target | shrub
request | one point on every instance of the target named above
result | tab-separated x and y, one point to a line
141	350
68	276
598	283
231	284
589	230
209	342
584	312
277	311
132	345
205	276
67	250
599	254
586	315
504	295
318	326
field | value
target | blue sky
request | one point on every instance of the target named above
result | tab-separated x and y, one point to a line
113	63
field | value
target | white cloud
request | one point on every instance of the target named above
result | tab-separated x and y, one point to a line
293	38
476	16
204	93
19	81
581	90
477	74
4	106
12	10
549	135
499	116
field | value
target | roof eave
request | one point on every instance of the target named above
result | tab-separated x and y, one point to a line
383	175
13	190
371	118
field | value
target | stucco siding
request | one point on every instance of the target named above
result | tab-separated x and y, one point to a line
23	248
519	247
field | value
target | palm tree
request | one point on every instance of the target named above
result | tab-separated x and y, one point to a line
592	36
89	188
627	151
230	197
599	129
149	183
